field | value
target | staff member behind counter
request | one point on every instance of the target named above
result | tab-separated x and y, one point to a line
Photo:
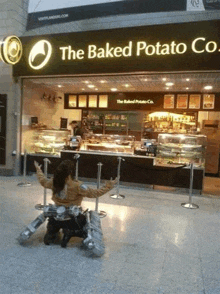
76	130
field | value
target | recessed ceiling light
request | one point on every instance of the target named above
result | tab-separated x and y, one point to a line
127	85
96	89
167	88
145	80
169	84
114	89
83	89
208	87
164	79
187	88
102	82
59	86
86	82
188	80
91	86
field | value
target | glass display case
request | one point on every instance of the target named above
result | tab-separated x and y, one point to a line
181	149
168	122
49	141
108	143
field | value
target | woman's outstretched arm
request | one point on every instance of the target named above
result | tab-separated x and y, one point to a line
46	183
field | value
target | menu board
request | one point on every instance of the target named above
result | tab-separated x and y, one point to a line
82	101
182	101
208	101
103	101
194	101
72	100
93	99
168	101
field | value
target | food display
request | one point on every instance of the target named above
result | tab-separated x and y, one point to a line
49	141
108	143
181	149
168	122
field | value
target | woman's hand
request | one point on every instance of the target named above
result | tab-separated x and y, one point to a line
37	166
112	183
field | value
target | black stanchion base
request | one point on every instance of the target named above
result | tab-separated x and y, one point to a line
189	205
102	214
39	206
25	184
119	196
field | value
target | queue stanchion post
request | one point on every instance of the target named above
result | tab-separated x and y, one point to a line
41	206
76	157
117	195
101	213
46	161
190	205
25	183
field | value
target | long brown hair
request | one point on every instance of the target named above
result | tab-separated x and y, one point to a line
64	169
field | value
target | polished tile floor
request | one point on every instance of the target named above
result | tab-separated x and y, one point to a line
153	245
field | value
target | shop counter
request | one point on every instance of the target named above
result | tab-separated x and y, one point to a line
134	169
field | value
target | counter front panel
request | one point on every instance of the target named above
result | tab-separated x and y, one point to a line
135	169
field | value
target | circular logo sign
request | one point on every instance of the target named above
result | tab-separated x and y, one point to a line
40	54
11	50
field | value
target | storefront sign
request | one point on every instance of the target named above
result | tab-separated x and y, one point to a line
10	50
134	101
40	13
187	46
116	101
44	48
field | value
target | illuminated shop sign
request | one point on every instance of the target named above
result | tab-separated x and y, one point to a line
42	48
134	101
10	50
187	46
142	48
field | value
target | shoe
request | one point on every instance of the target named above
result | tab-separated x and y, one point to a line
48	239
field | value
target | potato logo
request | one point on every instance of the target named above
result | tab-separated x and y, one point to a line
40	54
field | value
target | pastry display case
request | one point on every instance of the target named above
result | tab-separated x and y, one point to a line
108	143
181	149
49	141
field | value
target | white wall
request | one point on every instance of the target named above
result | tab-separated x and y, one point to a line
47	111
13	15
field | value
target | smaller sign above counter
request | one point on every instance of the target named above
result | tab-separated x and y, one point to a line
143	101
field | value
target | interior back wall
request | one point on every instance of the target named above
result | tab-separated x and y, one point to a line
47	111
